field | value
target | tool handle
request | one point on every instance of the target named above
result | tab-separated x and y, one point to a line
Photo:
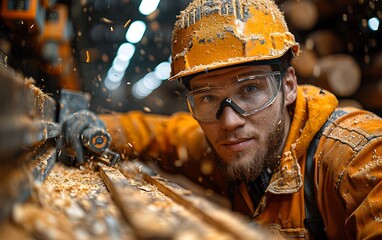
111	157
95	139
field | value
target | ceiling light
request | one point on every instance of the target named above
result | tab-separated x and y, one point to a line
136	31
114	75
150	81
162	71
120	64
148	6
125	51
140	91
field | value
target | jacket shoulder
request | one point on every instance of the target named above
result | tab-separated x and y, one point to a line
348	168
353	136
354	127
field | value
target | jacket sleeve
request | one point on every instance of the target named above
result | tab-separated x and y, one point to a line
349	176
176	142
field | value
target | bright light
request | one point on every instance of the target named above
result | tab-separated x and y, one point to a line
146	85
150	81
139	91
162	71
126	51
148	6
111	85
114	75
136	31
120	64
373	23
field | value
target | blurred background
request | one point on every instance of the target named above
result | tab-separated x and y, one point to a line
119	50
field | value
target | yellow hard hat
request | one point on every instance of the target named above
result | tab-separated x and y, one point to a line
211	34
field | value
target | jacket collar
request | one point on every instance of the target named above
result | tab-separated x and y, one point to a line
312	109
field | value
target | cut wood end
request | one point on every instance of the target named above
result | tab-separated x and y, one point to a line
340	72
305	63
302	15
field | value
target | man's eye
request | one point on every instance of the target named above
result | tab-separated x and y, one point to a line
250	89
208	98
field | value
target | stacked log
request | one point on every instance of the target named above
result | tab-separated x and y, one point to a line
339	73
305	63
346	65
325	42
301	15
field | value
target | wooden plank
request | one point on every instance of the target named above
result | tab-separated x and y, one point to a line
27	138
133	206
14	188
17	182
43	161
19	96
72	203
221	219
155	215
206	214
23	132
28	115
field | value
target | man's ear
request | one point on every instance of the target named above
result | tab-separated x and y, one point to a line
290	86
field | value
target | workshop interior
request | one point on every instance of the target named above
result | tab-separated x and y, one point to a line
61	56
119	50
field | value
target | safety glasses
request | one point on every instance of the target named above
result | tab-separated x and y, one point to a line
247	94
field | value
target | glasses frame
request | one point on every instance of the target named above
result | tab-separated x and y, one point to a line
277	75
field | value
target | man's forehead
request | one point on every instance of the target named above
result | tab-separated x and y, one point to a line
226	75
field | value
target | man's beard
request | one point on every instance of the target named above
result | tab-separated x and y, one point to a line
247	165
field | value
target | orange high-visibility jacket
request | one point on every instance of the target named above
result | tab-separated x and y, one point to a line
347	165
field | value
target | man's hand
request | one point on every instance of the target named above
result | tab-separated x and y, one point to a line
74	127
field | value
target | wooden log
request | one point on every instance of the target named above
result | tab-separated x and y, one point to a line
370	95
305	62
300	15
325	42
338	73
329	8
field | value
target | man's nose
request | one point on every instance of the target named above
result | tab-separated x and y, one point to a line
230	119
230	114
227	102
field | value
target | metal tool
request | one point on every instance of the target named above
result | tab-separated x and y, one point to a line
95	140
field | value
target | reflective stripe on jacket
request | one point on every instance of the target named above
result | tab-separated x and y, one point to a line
348	165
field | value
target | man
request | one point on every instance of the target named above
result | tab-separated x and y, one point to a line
282	153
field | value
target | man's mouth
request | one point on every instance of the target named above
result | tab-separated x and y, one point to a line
239	144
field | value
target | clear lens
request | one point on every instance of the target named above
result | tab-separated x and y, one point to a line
251	92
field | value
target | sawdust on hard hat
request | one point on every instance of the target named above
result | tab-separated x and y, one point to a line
197	9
